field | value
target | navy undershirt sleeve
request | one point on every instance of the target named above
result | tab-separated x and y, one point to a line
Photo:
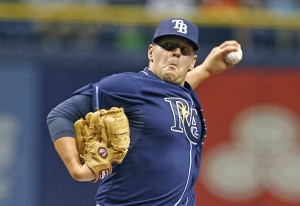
62	118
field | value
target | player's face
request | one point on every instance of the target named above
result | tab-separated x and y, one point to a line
171	58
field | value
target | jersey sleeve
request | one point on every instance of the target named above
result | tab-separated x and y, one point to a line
61	119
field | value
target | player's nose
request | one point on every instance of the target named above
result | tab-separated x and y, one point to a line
176	52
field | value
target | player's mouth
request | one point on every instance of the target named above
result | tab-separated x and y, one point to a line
173	65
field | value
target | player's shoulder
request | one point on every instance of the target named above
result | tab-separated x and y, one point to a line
118	78
121	76
120	82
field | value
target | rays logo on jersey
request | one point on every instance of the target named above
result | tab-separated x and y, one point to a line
186	119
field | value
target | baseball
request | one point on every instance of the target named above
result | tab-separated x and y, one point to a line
234	57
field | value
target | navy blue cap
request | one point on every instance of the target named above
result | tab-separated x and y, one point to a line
178	27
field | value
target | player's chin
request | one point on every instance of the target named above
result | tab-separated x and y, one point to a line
171	72
171	78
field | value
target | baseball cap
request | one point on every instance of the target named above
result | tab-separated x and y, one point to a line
177	27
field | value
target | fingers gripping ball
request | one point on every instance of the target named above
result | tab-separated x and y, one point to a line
106	141
234	57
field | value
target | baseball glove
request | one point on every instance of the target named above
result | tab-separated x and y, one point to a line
102	138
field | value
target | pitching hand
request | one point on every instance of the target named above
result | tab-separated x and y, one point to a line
214	62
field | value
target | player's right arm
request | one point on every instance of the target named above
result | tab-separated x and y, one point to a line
60	123
213	64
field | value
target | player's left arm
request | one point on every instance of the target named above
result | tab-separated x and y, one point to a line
213	64
67	150
60	123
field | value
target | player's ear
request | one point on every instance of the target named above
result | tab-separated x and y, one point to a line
150	52
193	63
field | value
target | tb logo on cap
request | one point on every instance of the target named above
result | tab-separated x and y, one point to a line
180	26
